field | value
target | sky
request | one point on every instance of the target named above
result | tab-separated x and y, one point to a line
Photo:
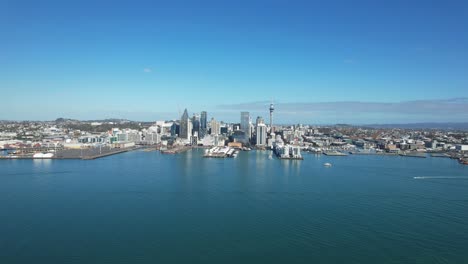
320	62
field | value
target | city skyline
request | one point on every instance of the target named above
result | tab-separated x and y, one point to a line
212	131
325	63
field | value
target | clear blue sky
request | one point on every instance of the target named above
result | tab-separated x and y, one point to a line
146	60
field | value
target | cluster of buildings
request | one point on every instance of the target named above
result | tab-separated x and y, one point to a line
286	141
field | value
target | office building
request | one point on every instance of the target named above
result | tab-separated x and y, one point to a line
185	130
245	123
215	127
203	124
261	131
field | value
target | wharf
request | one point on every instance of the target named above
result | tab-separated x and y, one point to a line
84	154
106	154
414	155
374	153
176	150
334	153
440	155
291	158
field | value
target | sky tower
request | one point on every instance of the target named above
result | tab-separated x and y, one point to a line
272	108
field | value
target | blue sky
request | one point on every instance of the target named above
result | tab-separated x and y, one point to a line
148	60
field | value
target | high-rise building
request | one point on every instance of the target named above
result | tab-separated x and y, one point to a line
175	129
185	130
214	127
245	123
259	121
261	131
196	125
203	124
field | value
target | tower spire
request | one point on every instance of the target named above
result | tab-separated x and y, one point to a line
272	108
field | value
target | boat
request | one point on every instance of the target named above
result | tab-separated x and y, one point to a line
334	153
327	164
414	154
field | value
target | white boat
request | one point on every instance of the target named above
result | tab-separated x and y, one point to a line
327	164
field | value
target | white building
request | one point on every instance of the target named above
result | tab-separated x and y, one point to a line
261	134
152	138
215	127
462	147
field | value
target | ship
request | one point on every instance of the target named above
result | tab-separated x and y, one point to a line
414	154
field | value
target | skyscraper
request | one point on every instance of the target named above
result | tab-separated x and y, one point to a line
261	134
203	124
214	127
196	125
259	120
245	123
185	128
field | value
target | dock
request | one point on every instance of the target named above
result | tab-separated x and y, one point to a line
334	153
221	152
83	154
175	150
414	155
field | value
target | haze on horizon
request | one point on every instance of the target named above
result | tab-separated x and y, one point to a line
335	62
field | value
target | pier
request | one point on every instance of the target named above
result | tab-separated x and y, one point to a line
175	150
83	153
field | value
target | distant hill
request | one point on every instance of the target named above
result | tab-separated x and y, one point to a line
114	120
442	126
65	120
69	120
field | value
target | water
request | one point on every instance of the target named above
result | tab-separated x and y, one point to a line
145	207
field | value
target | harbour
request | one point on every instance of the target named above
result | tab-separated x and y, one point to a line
221	152
48	205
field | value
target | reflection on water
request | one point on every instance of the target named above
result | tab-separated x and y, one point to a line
185	209
41	164
291	167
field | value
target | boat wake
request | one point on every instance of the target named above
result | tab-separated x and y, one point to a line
440	177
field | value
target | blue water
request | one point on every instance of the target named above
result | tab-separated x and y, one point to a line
145	207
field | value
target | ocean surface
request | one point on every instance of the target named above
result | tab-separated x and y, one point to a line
146	207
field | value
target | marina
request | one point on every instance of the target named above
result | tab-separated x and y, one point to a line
221	152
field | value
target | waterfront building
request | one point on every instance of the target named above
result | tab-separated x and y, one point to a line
175	129
152	138
122	137
134	136
261	132
194	140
